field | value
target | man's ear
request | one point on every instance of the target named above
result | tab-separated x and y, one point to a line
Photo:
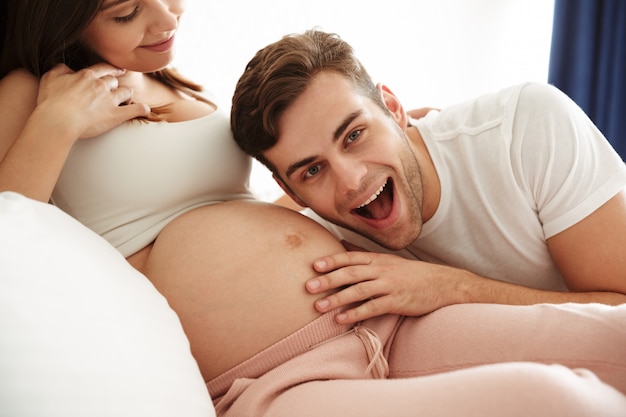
393	104
288	191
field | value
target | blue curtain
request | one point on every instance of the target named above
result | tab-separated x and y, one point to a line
588	61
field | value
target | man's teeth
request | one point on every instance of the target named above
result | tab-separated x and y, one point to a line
374	196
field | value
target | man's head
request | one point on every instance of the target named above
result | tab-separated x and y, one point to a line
278	74
307	108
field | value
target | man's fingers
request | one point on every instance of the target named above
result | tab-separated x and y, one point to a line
342	259
371	308
357	293
333	280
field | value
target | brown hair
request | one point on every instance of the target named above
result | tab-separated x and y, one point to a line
39	34
278	74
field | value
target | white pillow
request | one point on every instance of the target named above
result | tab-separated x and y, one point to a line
82	333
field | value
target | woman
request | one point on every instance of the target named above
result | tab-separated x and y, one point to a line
94	121
196	155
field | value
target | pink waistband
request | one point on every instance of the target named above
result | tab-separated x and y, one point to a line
319	330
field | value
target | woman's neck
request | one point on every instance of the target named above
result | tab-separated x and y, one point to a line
136	81
154	93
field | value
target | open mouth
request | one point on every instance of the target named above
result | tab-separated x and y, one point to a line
379	205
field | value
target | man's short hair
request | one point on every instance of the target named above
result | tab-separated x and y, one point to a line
276	77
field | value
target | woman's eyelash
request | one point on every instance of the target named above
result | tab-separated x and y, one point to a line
127	18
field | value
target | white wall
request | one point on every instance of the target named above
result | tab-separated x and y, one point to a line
430	53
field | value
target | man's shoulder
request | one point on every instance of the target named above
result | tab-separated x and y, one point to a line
532	91
540	92
502	106
475	115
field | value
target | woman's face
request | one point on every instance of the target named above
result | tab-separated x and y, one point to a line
137	35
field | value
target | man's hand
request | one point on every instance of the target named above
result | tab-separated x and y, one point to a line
382	283
376	284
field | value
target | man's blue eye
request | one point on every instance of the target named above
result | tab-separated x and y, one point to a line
312	171
354	135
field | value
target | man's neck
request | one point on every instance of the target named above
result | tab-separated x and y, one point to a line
431	186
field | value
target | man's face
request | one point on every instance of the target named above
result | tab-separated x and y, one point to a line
346	158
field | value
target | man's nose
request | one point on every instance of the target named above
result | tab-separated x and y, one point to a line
349	174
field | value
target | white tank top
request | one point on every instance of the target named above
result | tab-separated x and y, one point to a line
129	183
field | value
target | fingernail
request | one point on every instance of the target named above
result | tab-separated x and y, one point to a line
320	263
323	304
341	317
313	284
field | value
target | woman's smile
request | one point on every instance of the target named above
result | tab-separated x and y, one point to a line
162	46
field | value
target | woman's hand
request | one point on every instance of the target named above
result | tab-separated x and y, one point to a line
42	124
86	101
421	112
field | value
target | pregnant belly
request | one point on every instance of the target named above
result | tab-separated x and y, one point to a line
234	273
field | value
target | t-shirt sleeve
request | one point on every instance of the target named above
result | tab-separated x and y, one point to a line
566	167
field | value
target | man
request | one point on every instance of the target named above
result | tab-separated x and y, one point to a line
512	198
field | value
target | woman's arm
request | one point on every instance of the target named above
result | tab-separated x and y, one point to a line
41	120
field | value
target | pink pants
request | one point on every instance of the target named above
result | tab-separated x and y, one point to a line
462	360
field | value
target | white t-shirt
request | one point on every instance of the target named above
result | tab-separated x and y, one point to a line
516	167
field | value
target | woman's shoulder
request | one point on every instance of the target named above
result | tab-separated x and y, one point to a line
18	98
19	84
20	76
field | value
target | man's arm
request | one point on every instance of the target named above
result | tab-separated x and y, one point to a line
591	256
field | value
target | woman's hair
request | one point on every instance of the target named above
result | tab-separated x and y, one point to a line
278	74
39	34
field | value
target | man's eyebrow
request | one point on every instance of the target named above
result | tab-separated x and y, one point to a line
344	125
338	133
297	165
107	5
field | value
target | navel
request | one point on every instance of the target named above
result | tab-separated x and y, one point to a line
293	240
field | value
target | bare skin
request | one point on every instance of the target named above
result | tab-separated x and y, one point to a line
220	268
234	272
333	177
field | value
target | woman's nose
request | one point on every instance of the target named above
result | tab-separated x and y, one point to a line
165	15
